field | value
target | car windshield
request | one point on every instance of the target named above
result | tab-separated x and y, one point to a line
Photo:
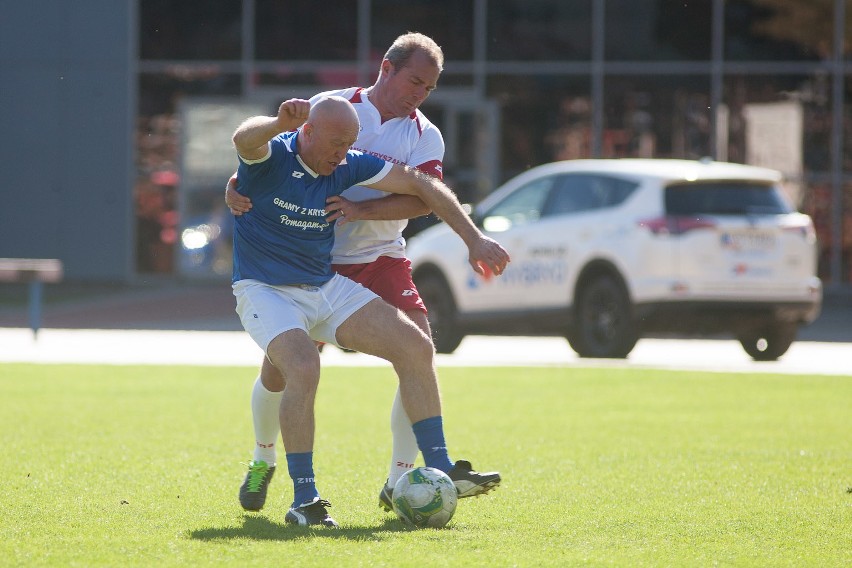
725	198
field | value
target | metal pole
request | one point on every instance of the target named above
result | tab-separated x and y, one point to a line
480	45
247	47
35	305
598	31
364	63
716	74
836	252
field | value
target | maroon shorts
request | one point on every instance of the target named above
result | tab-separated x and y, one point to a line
388	277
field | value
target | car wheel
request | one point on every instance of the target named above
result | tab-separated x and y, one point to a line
436	295
769	342
603	321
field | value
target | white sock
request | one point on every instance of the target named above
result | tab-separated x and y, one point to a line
405	448
267	427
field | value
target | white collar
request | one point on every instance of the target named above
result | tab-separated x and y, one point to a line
307	169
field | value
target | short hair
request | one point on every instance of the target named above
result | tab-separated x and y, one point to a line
407	44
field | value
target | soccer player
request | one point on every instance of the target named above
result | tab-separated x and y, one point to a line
369	247
287	294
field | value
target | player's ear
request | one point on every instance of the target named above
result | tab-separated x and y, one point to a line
387	67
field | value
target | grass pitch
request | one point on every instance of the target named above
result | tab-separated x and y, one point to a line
140	466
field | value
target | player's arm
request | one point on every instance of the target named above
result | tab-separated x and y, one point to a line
252	136
236	201
395	206
387	208
441	199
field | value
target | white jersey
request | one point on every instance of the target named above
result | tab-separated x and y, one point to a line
411	140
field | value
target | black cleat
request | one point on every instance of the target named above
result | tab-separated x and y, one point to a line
386	498
253	489
313	513
471	483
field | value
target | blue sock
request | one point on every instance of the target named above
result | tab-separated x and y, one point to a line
430	440
301	468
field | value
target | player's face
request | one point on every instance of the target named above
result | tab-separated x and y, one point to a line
407	87
327	146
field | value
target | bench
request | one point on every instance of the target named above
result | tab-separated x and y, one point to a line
34	272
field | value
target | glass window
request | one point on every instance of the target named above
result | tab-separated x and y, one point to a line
160	93
819	204
158	176
658	30
448	22
728	198
539	30
321	77
781	122
306	30
778	30
543	119
656	117
846	239
189	30
846	126
522	206
582	192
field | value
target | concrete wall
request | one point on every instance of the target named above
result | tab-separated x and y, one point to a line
67	108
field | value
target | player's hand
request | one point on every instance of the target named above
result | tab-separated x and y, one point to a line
236	202
342	210
486	255
293	113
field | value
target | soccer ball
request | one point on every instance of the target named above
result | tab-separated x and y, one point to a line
425	497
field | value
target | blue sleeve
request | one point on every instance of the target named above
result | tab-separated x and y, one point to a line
362	168
251	176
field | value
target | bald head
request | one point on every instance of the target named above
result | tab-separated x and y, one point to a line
334	111
331	129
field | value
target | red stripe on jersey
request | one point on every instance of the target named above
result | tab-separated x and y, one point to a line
356	98
413	116
434	168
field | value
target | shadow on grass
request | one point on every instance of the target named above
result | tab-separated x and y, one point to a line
261	528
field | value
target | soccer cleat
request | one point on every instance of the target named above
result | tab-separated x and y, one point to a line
253	489
313	513
471	483
386	498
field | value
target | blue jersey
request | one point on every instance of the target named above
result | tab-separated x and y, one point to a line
285	237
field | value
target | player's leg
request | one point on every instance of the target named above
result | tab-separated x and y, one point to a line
391	279
276	318
360	320
404	448
301	378
301	375
265	404
380	330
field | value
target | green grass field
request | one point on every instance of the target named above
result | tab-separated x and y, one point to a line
140	466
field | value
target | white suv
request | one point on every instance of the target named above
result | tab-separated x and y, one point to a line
604	251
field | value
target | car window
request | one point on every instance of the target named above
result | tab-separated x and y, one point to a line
573	193
725	198
520	207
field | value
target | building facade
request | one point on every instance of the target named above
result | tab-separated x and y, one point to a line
525	82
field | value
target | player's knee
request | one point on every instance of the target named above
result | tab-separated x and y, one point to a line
271	377
304	371
418	347
300	372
